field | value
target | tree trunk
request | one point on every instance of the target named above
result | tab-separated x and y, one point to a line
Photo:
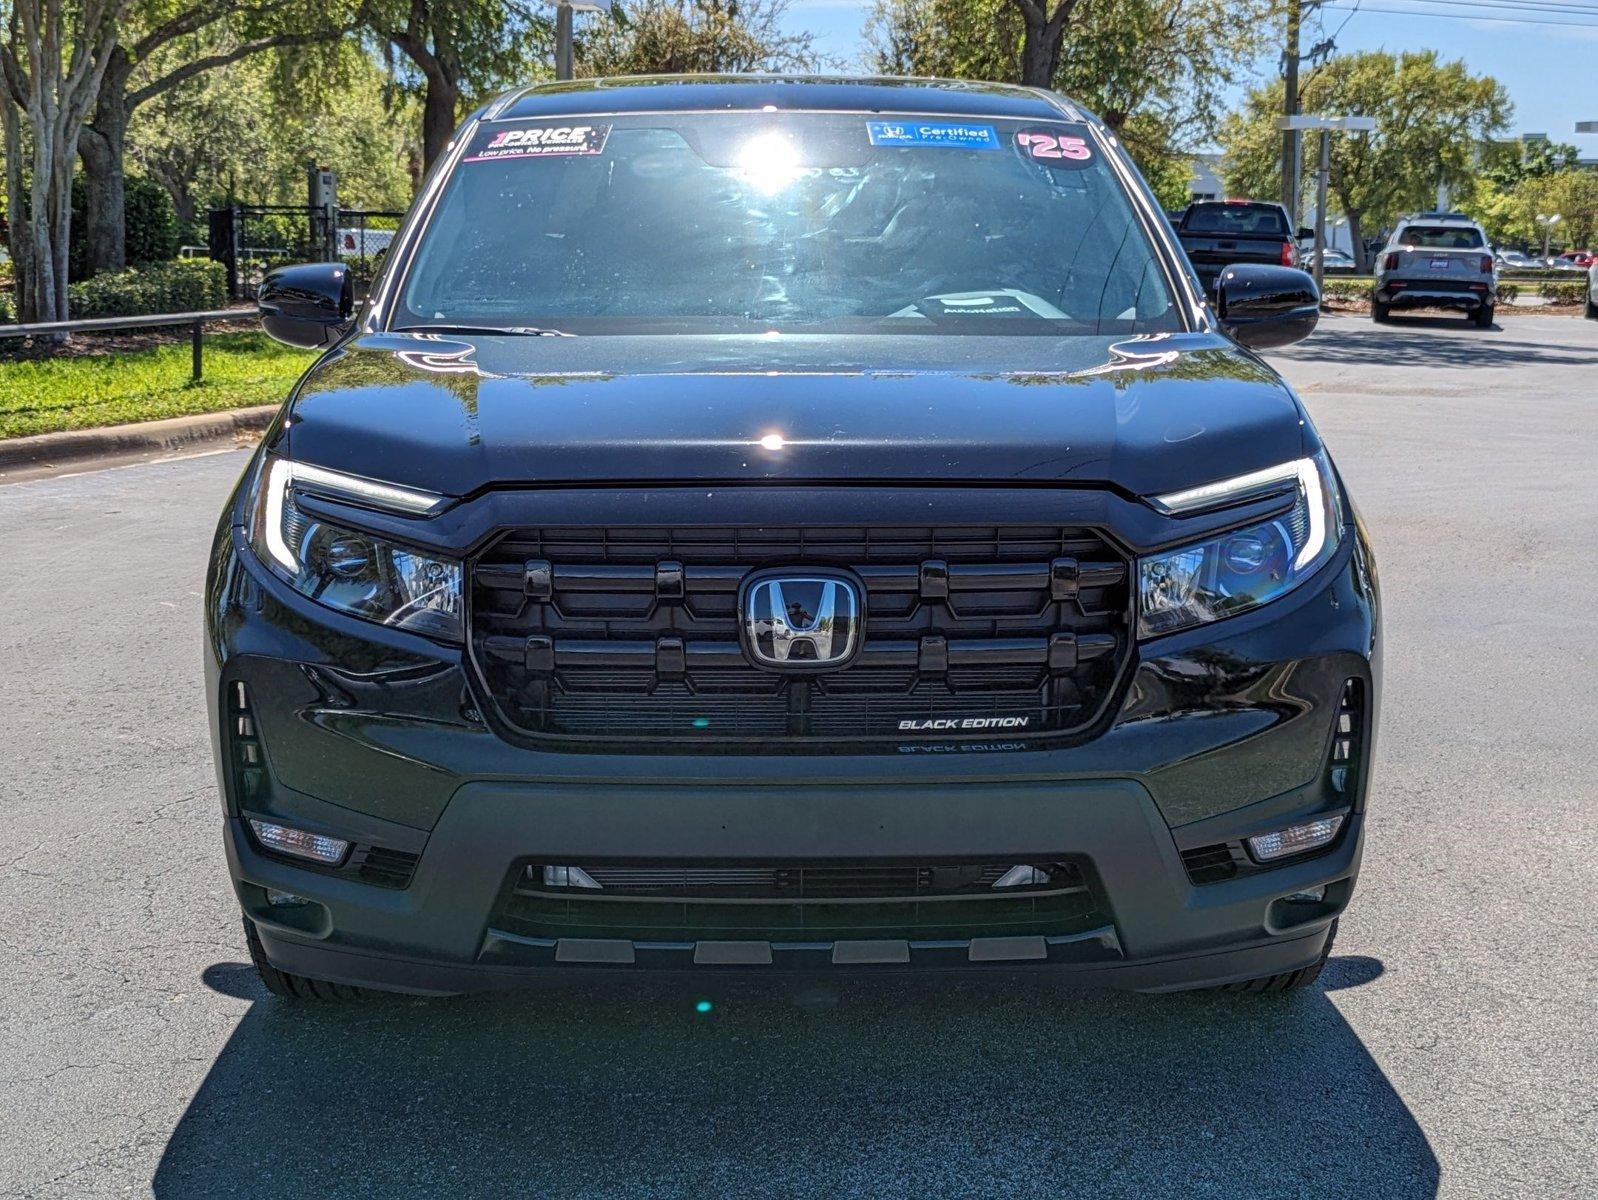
1044	33
1361	260
19	229
1038	57
439	106
104	175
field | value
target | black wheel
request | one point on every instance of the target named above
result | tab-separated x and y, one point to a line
1592	309
1483	317
294	987
1380	312
1287	981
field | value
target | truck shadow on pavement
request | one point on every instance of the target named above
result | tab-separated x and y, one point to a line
1415	342
912	1087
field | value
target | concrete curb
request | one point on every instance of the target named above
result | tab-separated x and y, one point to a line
145	437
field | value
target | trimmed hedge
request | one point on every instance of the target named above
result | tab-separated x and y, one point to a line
1564	293
184	285
1345	289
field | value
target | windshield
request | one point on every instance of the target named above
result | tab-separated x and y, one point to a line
1249	220
1440	237
739	222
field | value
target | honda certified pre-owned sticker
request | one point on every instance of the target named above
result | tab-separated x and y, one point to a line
1055	146
542	141
960	134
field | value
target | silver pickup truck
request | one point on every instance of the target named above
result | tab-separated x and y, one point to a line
1436	260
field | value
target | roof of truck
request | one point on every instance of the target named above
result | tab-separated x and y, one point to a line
755	93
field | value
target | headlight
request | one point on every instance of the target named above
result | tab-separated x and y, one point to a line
346	569
1247	567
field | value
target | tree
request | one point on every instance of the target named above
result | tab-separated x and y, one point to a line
160	47
244	133
1431	118
456	49
656	37
53	58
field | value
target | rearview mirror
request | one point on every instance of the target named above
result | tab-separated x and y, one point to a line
1262	307
307	305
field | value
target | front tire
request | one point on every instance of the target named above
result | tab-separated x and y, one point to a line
295	987
1287	981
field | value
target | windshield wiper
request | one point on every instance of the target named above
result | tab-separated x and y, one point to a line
518	330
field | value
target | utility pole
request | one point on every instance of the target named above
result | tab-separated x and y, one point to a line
564	10
1323	175
1290	135
563	41
1323	172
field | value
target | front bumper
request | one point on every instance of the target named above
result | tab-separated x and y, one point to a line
373	736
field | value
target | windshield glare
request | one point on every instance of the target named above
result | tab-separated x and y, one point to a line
739	222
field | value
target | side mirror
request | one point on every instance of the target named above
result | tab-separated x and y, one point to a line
1262	307
1306	234
307	305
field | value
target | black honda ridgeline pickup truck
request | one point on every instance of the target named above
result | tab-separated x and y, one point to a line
767	524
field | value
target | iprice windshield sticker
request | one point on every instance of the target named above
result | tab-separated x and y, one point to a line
542	141
960	135
1053	147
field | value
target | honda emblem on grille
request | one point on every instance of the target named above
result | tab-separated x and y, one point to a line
801	621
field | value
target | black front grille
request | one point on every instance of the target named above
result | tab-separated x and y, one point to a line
630	635
802	902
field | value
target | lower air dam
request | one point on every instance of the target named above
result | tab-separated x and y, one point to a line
945	723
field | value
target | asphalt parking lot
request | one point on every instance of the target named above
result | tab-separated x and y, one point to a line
1451	1048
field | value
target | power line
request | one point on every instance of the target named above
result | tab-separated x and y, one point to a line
1456	16
1547	7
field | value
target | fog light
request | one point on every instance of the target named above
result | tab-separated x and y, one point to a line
1312	895
279	899
1295	839
329	851
569	877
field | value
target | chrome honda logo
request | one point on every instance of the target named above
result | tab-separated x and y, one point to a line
801	622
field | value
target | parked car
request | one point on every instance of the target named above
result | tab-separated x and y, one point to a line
1514	260
1338	262
1436	260
364	243
1217	234
1574	260
864	576
1592	292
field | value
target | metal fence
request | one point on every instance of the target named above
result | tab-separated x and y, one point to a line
251	239
197	321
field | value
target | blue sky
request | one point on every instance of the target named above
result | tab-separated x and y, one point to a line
1549	69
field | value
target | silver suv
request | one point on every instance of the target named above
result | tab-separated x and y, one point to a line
1437	260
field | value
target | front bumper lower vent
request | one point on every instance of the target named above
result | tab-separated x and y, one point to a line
802	903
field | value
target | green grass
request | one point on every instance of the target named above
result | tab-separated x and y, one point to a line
241	369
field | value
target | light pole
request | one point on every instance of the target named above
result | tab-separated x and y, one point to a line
1323	174
1548	221
563	33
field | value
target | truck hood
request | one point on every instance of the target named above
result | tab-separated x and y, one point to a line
456	414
